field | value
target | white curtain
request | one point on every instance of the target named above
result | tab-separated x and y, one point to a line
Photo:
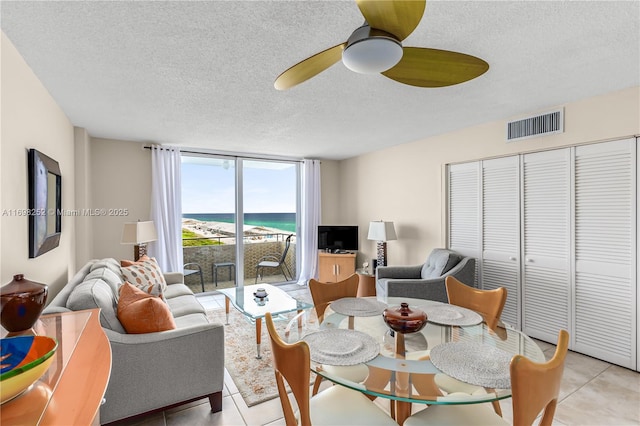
311	203
166	207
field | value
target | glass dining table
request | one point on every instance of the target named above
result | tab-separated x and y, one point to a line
443	363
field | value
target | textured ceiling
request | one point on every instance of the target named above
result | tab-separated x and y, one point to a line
200	74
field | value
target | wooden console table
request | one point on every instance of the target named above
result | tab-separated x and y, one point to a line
71	391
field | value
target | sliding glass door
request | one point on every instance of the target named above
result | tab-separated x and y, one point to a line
270	220
237	213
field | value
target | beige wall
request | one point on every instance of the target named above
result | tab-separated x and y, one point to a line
404	184
330	189
31	119
121	179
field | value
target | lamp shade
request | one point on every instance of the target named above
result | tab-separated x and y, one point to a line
381	231
139	232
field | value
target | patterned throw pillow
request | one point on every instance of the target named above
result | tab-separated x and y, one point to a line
144	274
140	312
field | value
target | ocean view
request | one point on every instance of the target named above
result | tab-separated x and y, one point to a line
284	221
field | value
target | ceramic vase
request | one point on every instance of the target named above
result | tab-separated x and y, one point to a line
21	303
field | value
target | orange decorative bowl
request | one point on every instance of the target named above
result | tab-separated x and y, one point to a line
404	320
23	360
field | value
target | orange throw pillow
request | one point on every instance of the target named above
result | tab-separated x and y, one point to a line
140	312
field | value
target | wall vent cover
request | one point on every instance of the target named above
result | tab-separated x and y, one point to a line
530	127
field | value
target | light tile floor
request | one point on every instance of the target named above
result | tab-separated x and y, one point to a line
593	392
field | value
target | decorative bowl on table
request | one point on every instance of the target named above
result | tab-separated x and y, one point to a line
403	319
23	360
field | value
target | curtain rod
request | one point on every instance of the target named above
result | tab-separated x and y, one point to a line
250	156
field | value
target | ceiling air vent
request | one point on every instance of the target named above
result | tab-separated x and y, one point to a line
543	124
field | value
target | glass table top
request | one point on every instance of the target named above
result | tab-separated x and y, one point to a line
277	301
405	372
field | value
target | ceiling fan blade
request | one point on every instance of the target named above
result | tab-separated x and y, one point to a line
310	67
424	67
398	17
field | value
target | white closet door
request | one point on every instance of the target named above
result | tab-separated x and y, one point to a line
605	252
501	231
464	210
546	277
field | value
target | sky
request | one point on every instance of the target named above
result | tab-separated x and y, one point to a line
208	186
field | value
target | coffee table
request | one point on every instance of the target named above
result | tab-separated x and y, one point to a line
278	302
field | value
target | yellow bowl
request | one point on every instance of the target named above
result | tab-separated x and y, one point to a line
23	360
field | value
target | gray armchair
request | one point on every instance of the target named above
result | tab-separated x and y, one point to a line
425	281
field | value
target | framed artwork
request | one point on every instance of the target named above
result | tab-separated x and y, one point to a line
45	203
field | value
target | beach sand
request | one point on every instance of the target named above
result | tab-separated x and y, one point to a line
226	232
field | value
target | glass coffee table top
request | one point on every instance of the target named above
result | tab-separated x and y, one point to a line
276	302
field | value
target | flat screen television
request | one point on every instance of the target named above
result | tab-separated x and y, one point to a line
338	238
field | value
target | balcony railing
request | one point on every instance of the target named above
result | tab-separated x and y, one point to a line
222	249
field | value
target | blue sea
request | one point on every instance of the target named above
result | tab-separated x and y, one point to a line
284	221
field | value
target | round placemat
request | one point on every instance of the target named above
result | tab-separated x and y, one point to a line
452	315
358	307
337	346
474	363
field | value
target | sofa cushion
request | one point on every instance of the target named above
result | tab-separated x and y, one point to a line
184	305
140	312
145	274
96	293
176	290
454	259
191	320
107	275
439	263
109	263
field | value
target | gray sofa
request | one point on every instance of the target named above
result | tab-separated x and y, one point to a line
425	281
154	370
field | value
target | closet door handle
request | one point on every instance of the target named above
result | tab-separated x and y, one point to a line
513	258
529	260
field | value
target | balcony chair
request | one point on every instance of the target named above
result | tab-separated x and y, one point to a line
275	260
336	405
193	268
535	388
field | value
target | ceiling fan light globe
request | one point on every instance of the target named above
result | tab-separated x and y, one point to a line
372	55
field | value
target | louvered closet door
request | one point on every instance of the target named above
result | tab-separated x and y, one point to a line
464	210
501	231
546	246
605	252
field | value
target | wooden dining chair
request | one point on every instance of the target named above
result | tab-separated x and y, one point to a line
336	405
489	304
325	293
534	389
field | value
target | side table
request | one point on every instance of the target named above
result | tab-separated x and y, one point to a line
367	285
72	389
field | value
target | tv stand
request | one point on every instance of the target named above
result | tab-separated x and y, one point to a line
334	267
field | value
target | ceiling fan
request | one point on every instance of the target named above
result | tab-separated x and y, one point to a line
376	47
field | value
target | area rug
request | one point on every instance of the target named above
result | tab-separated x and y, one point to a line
253	377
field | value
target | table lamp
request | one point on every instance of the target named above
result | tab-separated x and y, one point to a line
139	233
381	232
